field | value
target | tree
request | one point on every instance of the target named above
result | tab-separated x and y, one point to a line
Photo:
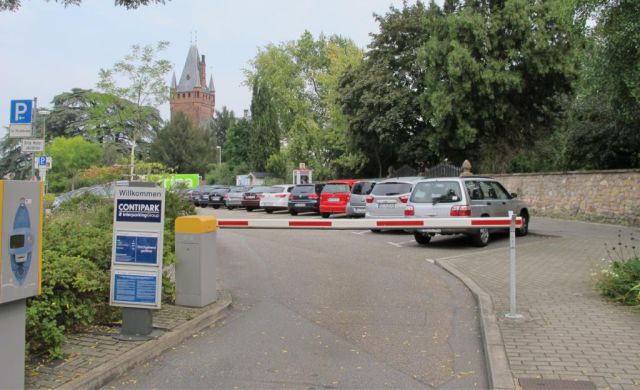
182	146
98	117
295	116
14	164
71	155
237	148
14	5
604	117
381	96
495	76
221	123
146	89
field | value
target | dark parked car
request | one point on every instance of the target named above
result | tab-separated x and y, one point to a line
305	197
216	197
251	199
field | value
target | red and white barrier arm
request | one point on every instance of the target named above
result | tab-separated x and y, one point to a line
365	224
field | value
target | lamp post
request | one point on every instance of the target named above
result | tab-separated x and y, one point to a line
219	148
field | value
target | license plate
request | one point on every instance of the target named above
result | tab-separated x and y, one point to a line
299	204
251	197
386	205
217	198
359	210
334	199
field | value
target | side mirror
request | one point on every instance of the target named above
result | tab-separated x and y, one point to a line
514	195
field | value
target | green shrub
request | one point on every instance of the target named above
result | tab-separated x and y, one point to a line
77	240
621	280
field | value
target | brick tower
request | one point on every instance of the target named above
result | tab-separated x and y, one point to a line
192	96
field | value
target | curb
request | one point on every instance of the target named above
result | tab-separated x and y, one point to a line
99	376
498	372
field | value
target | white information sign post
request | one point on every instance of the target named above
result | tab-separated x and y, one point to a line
136	257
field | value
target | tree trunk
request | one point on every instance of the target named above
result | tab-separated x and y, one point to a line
133	157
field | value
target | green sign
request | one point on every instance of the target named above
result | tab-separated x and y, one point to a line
190	180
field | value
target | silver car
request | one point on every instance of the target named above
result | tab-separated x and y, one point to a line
389	198
357	205
471	196
233	198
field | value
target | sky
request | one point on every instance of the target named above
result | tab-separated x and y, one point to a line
47	49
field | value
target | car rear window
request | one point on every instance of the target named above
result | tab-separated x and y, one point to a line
436	192
363	188
333	188
391	189
297	190
238	189
262	189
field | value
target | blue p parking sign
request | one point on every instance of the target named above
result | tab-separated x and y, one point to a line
21	111
42	161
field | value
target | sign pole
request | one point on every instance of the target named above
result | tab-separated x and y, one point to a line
34	115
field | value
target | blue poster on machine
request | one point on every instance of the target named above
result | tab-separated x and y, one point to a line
136	248
131	287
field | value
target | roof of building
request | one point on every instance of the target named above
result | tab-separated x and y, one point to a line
190	77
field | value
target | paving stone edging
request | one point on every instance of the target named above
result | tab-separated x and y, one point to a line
498	371
99	376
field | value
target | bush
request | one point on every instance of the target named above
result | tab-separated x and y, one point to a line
621	280
76	267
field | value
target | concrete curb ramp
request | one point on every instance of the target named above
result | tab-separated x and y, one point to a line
101	375
498	370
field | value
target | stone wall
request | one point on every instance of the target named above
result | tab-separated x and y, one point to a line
604	196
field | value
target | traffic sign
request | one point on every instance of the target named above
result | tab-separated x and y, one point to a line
44	162
32	145
21	118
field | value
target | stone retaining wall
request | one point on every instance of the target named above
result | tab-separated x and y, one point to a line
604	196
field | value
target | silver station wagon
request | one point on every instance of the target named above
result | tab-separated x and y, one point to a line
470	196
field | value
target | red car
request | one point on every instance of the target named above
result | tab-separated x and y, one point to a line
335	197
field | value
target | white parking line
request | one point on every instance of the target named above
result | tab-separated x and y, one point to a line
432	261
399	244
361	232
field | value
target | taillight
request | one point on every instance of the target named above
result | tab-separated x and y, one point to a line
281	196
259	196
404	198
369	199
313	196
226	196
460	211
409	211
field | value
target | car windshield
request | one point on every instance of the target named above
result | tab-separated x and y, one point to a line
299	190
436	192
333	188
388	189
363	188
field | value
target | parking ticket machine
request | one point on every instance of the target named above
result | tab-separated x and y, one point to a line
21	211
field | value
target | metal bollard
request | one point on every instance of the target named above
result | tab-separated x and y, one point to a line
512	268
195	260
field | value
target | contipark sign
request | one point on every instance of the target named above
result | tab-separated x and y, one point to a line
138	229
135	210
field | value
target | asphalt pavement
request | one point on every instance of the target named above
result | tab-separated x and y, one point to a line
331	309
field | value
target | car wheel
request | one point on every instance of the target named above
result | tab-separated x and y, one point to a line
249	209
216	207
293	212
524	230
422	238
269	211
376	230
480	239
325	215
229	208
